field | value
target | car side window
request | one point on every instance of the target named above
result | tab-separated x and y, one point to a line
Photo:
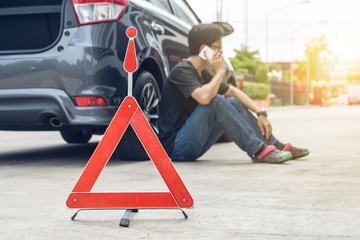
163	4
182	11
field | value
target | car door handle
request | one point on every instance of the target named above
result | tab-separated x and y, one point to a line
157	27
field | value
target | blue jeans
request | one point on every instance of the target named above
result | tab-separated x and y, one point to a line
208	122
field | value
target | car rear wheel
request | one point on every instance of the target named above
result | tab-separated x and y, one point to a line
147	94
71	136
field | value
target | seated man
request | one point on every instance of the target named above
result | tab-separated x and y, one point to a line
194	114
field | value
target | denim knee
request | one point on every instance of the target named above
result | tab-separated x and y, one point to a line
236	103
217	100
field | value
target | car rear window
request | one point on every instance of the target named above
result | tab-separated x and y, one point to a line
163	4
182	11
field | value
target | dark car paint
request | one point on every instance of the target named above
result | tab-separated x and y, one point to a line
86	60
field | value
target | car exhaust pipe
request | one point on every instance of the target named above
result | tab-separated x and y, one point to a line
55	122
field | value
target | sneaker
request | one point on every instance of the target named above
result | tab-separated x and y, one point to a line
296	152
272	155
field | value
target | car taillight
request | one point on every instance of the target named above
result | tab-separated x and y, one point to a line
90	101
94	11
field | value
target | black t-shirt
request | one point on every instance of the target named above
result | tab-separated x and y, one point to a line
176	103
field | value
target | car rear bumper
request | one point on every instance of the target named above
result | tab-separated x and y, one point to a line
32	109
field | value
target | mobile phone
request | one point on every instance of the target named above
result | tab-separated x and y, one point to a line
209	53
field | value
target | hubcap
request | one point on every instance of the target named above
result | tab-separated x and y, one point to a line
149	104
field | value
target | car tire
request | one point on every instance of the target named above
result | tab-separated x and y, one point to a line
147	94
71	136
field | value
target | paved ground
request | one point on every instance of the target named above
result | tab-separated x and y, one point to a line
317	197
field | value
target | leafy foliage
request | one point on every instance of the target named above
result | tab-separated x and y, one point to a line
257	91
320	58
246	61
321	61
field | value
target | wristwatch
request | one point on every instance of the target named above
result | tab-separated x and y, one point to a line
262	112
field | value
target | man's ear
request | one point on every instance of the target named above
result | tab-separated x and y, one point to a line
201	47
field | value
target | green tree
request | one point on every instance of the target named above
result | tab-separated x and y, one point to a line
246	61
300	72
321	61
320	57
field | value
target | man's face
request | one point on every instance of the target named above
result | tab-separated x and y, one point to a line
217	45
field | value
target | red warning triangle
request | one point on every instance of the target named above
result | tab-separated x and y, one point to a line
129	113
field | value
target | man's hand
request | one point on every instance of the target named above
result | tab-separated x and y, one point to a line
217	62
265	126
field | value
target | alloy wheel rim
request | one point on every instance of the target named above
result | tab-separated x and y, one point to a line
149	104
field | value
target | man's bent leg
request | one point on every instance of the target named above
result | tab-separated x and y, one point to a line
217	116
251	120
249	117
198	134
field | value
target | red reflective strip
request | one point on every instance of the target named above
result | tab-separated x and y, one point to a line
90	101
121	200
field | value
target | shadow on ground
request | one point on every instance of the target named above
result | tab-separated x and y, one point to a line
61	152
64	154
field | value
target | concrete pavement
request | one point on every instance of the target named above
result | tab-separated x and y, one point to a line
317	197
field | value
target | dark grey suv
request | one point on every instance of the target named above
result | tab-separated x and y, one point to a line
61	63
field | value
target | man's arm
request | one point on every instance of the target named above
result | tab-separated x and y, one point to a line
263	122
204	94
243	98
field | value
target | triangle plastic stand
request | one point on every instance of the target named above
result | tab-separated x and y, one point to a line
129	113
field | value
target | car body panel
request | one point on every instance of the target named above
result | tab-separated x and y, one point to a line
86	60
